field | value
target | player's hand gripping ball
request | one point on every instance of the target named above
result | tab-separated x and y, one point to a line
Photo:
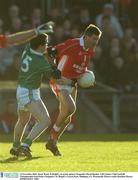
86	80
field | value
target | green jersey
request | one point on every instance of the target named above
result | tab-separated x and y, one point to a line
33	67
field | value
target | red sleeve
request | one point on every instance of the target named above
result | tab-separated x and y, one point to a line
62	48
2	41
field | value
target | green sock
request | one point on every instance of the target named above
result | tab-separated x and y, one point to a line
16	144
28	142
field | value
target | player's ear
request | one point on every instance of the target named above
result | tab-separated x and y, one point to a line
52	52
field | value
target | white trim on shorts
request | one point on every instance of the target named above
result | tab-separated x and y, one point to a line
56	88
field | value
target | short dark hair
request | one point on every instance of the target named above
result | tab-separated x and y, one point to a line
92	29
41	39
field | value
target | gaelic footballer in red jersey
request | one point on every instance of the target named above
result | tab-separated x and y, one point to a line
73	57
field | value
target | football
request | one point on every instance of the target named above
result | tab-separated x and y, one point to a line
86	80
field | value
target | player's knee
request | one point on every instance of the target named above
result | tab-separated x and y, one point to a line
48	121
22	122
68	121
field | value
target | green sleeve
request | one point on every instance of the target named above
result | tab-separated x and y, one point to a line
48	73
47	69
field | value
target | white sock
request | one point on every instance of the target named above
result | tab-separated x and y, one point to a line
56	128
25	145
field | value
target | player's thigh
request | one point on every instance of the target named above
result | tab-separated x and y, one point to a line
24	116
74	93
38	110
66	101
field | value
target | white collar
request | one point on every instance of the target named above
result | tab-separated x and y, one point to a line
35	52
82	43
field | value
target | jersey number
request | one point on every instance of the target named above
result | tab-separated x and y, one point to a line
25	63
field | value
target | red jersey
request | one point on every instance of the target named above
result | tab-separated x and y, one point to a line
72	58
2	41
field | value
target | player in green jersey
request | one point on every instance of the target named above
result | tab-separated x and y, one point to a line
34	65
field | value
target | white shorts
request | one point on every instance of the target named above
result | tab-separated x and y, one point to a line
56	88
25	96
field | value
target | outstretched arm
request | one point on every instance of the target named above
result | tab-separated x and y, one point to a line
25	36
20	37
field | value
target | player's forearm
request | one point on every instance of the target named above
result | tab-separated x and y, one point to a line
52	73
20	37
25	36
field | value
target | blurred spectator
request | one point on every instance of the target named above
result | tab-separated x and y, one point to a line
115	42
107	32
114	22
75	31
36	17
98	62
130	54
133	13
67	28
114	70
58	35
1	26
13	69
124	6
55	15
13	13
129	46
16	25
116	73
114	52
6	59
84	18
9	117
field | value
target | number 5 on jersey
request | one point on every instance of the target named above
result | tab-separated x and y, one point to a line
25	63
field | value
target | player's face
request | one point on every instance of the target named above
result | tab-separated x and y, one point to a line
44	47
46	42
91	41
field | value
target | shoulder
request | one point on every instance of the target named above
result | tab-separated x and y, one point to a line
74	41
68	45
70	42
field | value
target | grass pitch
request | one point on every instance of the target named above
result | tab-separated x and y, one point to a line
80	153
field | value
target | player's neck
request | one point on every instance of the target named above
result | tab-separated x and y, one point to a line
85	46
38	52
